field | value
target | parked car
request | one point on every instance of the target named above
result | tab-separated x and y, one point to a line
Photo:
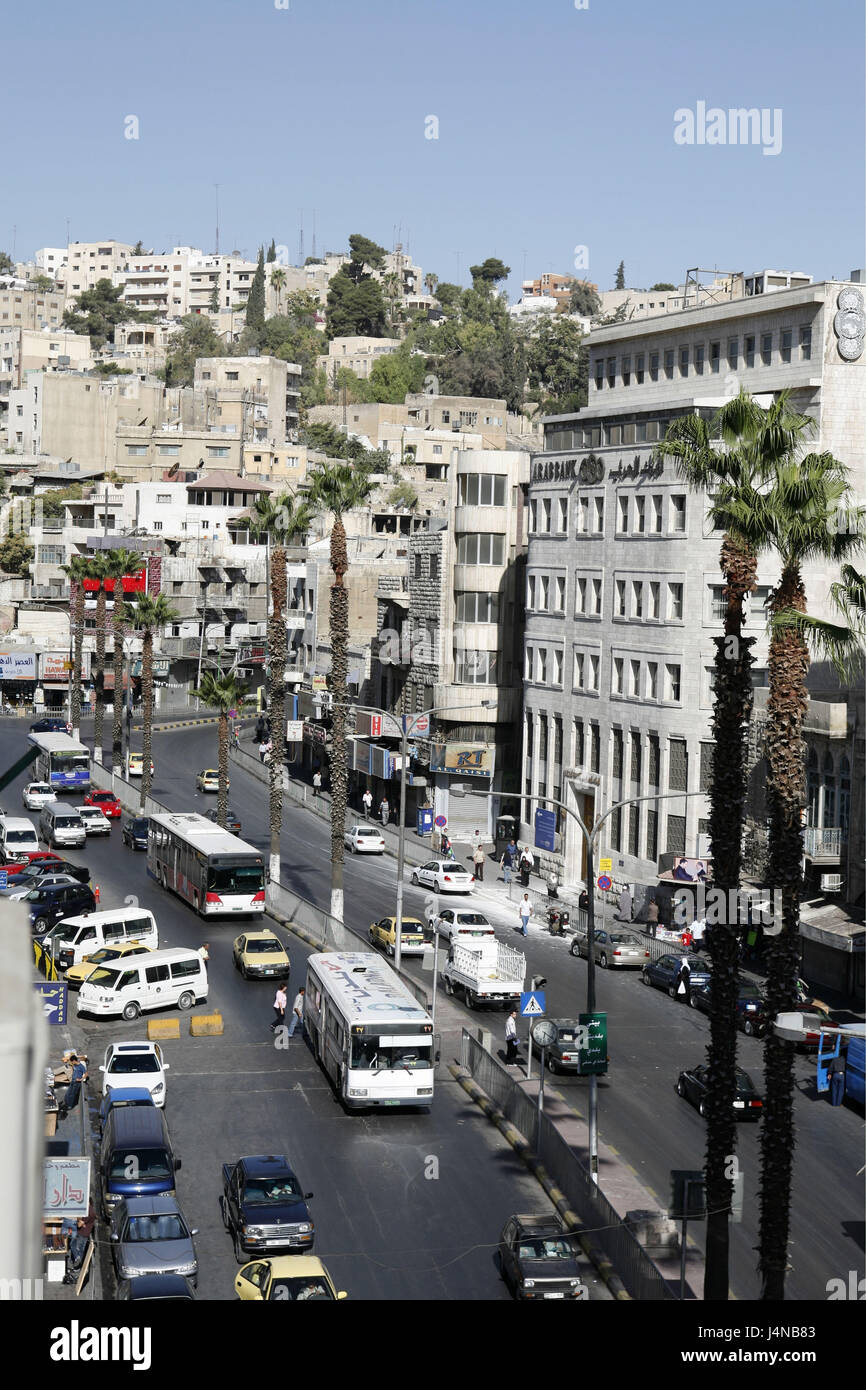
208	780
539	1259
36	794
134	832
445	875
50	863
77	974
693	1086
107	803
364	839
51	726
611	948
20	887
453	922
663	972
95	820
562	1055
135	765
751	1006
413	941
261	955
48	906
135	1064
233	822
286	1278
150	1235
122	1096
150	1287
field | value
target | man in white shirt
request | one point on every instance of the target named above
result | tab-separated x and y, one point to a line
367	799
524	911
511	1037
297	1014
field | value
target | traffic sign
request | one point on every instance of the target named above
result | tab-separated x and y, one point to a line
4	879
605	866
604	882
440	822
592	1044
53	1000
532	1004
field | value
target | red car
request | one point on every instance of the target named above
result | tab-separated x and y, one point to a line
107	803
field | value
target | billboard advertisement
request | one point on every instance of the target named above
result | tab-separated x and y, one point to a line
17	666
462	759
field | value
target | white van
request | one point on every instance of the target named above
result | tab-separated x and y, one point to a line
76	937
18	837
62	825
162	980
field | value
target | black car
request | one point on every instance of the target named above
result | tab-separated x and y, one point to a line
562	1055
150	1286
49	726
751	1006
45	865
538	1258
134	832
232	822
48	906
693	1086
663	972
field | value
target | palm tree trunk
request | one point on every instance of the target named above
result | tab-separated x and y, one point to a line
117	702
77	658
785	749
99	676
732	703
147	731
223	768
277	702
339	612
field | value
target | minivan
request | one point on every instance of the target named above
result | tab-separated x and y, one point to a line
18	838
76	937
160	980
136	1157
61	825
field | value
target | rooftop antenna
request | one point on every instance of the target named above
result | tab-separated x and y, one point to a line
301	241
314	234
217	188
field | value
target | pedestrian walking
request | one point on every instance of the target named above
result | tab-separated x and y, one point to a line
508	862
687	938
263	750
624	905
128	717
297	1014
204	951
384	810
73	1090
527	864
511	1037
77	1247
836	1073
281	999
236	741
317	782
367	801
524	912
652	917
478	858
683	981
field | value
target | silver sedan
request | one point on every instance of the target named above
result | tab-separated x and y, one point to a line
150	1235
612	948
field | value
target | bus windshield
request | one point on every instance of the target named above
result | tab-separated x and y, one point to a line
368	1055
236	878
70	762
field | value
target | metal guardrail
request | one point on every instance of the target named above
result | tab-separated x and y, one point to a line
633	1265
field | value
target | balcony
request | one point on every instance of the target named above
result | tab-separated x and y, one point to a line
179	647
823	844
58	592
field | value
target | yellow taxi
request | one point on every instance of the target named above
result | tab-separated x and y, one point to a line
412	938
77	974
260	955
286	1279
135	765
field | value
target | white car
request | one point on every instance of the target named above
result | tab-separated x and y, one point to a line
135	765
36	795
364	839
135	1064
445	875
462	922
95	823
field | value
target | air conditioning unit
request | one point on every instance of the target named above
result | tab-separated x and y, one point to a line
831	883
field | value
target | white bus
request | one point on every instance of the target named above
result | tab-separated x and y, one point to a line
213	870
373	1038
62	763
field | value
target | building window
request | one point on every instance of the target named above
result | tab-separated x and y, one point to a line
171	449
633	829
136	450
684	361
617	758
669	363
766	348
541	666
482	489
434	568
578	753
583	516
163	497
654	603
474	668
634	678
562	522
545	515
733	352
626	371
675	602
786	338
533	515
639	368
672	683
217	451
594	748
616	829
560	594
611	371
481	548
652	835
637	599
718	602
582	588
51	555
577	675
622	514
715	356
706	766
157	525
678	512
620	598
676	843
232	376
640	515
749	349
594	668
599	373
699	358
654	366
616	684
658	513
557	667
544	600
805	344
652	680
598	518
478	608
596	597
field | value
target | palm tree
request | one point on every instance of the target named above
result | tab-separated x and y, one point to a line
430	282
97	569
751	439
151	614
77	570
222	693
339	488
280	519
843	643
793	513
278	280
119	563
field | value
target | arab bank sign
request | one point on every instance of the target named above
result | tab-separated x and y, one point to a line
17	666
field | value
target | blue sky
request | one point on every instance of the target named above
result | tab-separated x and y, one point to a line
555	130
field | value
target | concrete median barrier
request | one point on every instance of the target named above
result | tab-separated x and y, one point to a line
159	1028
206	1026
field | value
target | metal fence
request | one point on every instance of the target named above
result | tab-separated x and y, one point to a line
633	1265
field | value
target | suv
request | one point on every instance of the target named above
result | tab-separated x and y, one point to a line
47	906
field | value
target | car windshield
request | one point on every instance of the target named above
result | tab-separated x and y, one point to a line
264	948
147	1228
368	1055
236	878
553	1249
105	977
361	830
144	1163
16	837
623	939
38	788
298	1290
747	990
128	1063
261	1191
745	1084
140	827
103	797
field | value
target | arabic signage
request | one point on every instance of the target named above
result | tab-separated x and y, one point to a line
54	1000
56	666
65	1186
294	730
588	471
592	1044
17	666
631	472
314	733
462	759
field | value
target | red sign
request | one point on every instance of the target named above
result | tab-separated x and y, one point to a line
130	583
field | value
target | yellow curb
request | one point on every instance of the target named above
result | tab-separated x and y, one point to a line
206	1025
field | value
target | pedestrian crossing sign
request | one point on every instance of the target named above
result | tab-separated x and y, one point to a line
532	1004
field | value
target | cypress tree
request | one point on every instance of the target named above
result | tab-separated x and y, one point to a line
255	316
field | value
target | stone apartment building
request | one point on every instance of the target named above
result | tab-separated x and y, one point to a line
34	349
624	592
24	305
89	261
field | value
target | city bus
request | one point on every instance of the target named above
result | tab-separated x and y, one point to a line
211	869
369	1033
62	763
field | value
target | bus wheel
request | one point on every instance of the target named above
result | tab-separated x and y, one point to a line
164	880
185	1001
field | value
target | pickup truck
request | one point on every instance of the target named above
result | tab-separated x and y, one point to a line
264	1208
487	971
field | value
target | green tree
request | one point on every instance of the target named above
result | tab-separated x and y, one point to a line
195	338
42	282
152	613
7	265
584	299
98	312
138	249
272	252
450	298
841	643
345	381
355	305
403	495
620	276
16	555
662	285
77	571
558	366
393	375
278	280
222	693
255	315
281	519
327	439
430	282
490	272
214	303
53	500
339	488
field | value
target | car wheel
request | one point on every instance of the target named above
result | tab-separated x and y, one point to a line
702	1109
672	991
551	1065
471	997
391	950
645	977
681	1090
186	1000
602	960
748	1027
240	1255
693	1003
131	1011
575	949
416	880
